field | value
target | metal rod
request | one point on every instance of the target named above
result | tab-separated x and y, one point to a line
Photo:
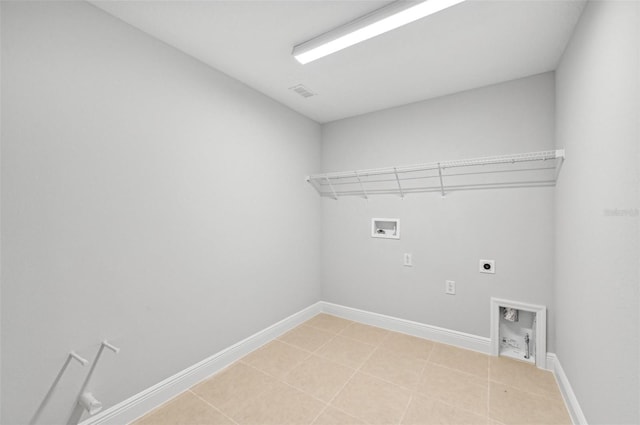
441	184
453	188
364	191
335	195
395	171
350	183
79	409
435	176
111	347
52	388
315	184
558	167
81	360
501	159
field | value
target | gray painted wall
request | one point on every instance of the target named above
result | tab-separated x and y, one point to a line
146	199
152	201
597	249
447	237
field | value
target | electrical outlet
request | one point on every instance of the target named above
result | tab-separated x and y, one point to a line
450	287
487	266
408	260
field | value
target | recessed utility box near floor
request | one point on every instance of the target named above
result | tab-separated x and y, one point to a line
519	331
388	228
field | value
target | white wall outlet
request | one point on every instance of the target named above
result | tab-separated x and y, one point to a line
450	287
408	259
487	266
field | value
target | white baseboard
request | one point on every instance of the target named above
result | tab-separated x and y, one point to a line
459	339
145	401
570	399
434	333
136	406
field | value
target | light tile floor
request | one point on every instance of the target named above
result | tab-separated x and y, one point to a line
331	371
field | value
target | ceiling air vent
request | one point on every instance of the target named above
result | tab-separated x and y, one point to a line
302	90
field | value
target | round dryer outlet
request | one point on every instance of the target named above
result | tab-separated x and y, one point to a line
487	266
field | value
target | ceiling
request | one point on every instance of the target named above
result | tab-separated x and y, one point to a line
473	44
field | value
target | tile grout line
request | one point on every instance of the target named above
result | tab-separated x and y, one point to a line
339	333
328	404
547	395
529	393
353	339
389	332
555	397
286	343
445	402
385	331
281	380
386	381
258	395
331	333
295	388
379	347
459	371
311	354
159	407
424	367
376	347
548	398
406	409
212	406
344	386
413	393
551	396
326	330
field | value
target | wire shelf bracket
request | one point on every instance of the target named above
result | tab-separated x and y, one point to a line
532	169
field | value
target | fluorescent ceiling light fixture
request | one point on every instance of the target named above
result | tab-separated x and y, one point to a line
390	17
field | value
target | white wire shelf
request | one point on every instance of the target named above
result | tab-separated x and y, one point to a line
532	169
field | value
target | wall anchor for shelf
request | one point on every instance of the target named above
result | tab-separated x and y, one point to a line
364	191
560	155
441	184
395	171
335	195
